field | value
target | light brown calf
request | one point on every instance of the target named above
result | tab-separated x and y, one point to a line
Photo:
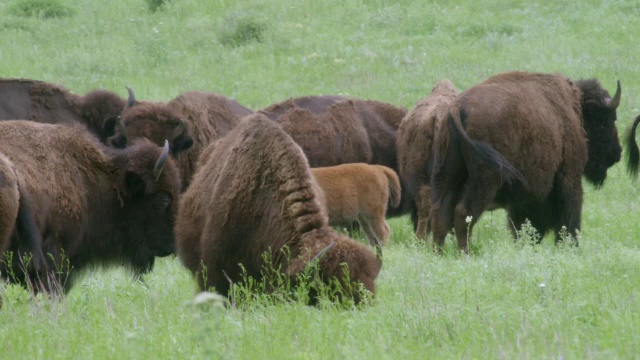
360	192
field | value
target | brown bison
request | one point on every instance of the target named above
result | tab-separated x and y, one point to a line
522	141
415	155
51	103
334	130
90	204
359	193
253	193
190	121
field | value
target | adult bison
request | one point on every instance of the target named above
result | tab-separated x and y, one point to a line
522	141
335	130
90	204
51	103
415	155
190	121
633	159
253	194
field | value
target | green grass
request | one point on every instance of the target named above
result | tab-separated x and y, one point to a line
491	304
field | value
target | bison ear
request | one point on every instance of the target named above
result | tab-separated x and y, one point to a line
181	143
134	186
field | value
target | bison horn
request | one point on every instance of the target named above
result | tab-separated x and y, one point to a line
132	97
179	130
317	258
159	166
612	104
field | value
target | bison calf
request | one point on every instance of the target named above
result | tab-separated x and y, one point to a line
253	193
360	192
415	153
88	204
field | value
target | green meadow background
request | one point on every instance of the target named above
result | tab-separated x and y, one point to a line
507	300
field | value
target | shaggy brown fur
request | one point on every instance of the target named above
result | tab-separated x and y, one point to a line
51	103
360	193
254	193
91	204
523	141
206	116
415	155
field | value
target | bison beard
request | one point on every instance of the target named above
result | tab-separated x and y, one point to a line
525	156
254	193
90	204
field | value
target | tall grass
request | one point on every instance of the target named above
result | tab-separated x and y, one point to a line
506	300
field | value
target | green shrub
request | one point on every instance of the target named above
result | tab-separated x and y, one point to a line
41	8
238	30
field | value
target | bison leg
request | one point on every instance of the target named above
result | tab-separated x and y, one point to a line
441	223
480	191
423	205
566	201
539	215
366	225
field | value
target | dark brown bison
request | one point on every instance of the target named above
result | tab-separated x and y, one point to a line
334	130
254	193
359	193
190	121
415	155
51	103
90	204
522	141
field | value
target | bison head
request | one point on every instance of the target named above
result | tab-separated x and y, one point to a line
149	189
153	121
340	260
599	116
101	108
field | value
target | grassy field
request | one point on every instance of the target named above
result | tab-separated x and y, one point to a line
507	300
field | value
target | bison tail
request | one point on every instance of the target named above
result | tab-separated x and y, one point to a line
30	234
485	151
633	154
395	190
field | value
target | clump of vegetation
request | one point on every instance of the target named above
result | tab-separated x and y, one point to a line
41	8
241	29
155	5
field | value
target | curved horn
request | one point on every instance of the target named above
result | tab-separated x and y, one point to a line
159	166
613	103
179	130
131	100
633	153
317	258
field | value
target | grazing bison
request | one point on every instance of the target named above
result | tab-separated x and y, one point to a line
415	155
359	193
51	103
91	204
190	121
522	141
254	193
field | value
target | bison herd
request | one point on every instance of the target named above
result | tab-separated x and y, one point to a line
98	179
